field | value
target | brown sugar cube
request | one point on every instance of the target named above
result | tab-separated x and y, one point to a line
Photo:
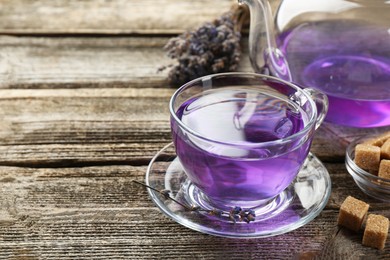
375	233
378	140
385	150
384	169
352	213
373	172
367	157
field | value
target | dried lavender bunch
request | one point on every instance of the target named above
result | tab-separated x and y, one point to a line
212	48
235	214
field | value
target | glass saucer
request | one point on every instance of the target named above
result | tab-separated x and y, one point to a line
306	198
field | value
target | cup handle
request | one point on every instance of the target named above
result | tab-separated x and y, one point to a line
322	104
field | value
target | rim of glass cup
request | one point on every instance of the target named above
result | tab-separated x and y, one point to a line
311	122
362	175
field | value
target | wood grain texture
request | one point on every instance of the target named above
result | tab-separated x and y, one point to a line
88	62
83	126
97	100
106	17
43	127
97	212
83	109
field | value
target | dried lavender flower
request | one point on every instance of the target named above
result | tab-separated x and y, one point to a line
248	215
239	214
236	210
212	48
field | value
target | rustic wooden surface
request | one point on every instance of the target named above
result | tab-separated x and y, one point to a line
83	109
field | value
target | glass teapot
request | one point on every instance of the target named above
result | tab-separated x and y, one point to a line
341	47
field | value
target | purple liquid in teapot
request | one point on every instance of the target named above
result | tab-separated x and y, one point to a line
243	117
348	61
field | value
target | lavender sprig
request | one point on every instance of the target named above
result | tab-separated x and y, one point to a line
236	214
212	48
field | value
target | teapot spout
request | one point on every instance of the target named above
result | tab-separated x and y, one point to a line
264	55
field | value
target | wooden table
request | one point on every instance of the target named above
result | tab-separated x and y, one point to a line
83	109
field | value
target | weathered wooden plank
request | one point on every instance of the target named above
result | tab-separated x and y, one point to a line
94	101
97	212
57	127
106	17
83	126
111	186
30	62
74	62
120	233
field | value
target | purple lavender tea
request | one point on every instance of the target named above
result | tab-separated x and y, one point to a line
240	172
347	60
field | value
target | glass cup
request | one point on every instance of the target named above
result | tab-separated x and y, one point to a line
242	138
